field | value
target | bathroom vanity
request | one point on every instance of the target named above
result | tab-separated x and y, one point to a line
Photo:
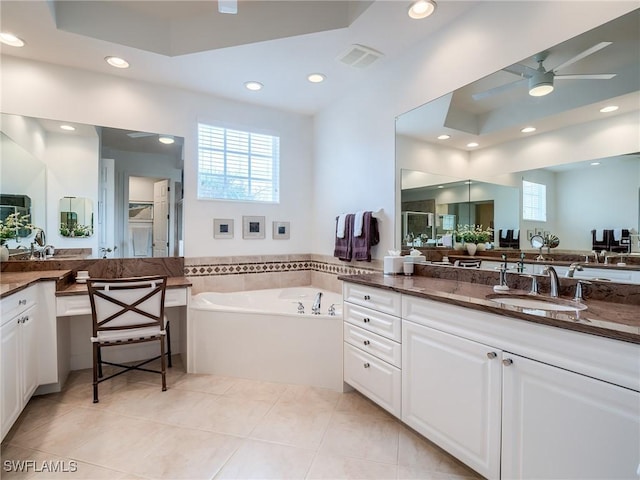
512	392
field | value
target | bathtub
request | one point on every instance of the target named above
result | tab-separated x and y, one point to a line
260	335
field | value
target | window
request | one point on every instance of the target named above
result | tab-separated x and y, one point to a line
534	201
236	165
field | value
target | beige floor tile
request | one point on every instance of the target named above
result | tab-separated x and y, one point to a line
331	467
261	460
39	410
366	438
184	453
215	384
293	424
354	403
229	415
256	390
310	397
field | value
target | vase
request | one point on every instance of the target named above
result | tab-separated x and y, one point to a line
471	248
4	253
481	247
458	246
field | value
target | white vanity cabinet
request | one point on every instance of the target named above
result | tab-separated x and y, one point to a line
372	349
514	399
451	393
19	354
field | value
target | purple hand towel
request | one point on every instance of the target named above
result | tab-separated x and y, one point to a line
343	246
370	237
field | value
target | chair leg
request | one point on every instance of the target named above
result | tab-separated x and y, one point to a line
96	353
100	375
163	365
168	330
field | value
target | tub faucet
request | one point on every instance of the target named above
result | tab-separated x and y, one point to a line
316	304
553	280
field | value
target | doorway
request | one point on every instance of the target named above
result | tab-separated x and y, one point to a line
148	220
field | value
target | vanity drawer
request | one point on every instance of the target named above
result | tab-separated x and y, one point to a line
386	325
374	378
381	347
384	301
18	302
175	297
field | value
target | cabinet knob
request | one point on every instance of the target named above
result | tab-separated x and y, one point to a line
367	342
22	302
366	365
507	362
25	319
367	297
491	355
366	320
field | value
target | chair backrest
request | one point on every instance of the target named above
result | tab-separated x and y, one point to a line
127	303
468	263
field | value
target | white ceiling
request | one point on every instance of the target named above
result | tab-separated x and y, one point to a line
313	34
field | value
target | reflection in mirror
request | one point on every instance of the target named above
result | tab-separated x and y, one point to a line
572	134
76	217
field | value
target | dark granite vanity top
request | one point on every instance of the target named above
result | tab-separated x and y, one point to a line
618	321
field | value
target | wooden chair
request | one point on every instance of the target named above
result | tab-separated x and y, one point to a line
127	311
467	263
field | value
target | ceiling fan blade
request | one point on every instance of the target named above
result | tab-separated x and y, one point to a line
496	90
580	56
520	70
586	76
139	134
228	6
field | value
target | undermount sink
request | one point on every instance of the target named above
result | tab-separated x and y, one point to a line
534	302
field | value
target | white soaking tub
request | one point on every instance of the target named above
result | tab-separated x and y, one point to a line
261	335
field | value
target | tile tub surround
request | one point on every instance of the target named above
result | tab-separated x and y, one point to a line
242	273
208	426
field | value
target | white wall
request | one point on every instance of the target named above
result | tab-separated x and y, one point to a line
141	189
58	92
354	164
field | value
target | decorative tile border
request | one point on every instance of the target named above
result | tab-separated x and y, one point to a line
242	268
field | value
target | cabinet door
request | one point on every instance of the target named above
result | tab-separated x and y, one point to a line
10	373
451	393
28	353
559	424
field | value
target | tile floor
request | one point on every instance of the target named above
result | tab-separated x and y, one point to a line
207	426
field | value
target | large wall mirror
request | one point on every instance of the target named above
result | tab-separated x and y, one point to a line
463	157
83	179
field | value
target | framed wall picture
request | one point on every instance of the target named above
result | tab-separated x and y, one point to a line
253	227
281	230
223	228
530	233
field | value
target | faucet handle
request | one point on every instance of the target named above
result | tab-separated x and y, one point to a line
535	290
580	290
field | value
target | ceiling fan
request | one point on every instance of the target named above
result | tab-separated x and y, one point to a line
541	80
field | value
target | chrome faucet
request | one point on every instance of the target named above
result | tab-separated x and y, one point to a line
316	304
553	280
595	256
572	268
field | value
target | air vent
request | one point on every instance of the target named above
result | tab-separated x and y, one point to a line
359	56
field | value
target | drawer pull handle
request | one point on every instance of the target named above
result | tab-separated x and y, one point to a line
491	355
367	297
25	319
366	365
367	342
507	362
22	302
366	320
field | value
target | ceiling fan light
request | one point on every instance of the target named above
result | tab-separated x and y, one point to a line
117	62
528	129
421	9
166	139
444	136
10	39
541	84
253	86
609	109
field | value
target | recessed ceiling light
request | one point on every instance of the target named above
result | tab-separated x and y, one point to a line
472	144
528	129
10	39
166	139
593	164
117	62
440	186
609	108
254	86
68	128
421	9
316	77
444	137
468	182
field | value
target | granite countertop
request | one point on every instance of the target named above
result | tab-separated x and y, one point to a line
613	320
12	282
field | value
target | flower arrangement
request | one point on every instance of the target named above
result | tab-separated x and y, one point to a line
14	226
75	230
473	234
